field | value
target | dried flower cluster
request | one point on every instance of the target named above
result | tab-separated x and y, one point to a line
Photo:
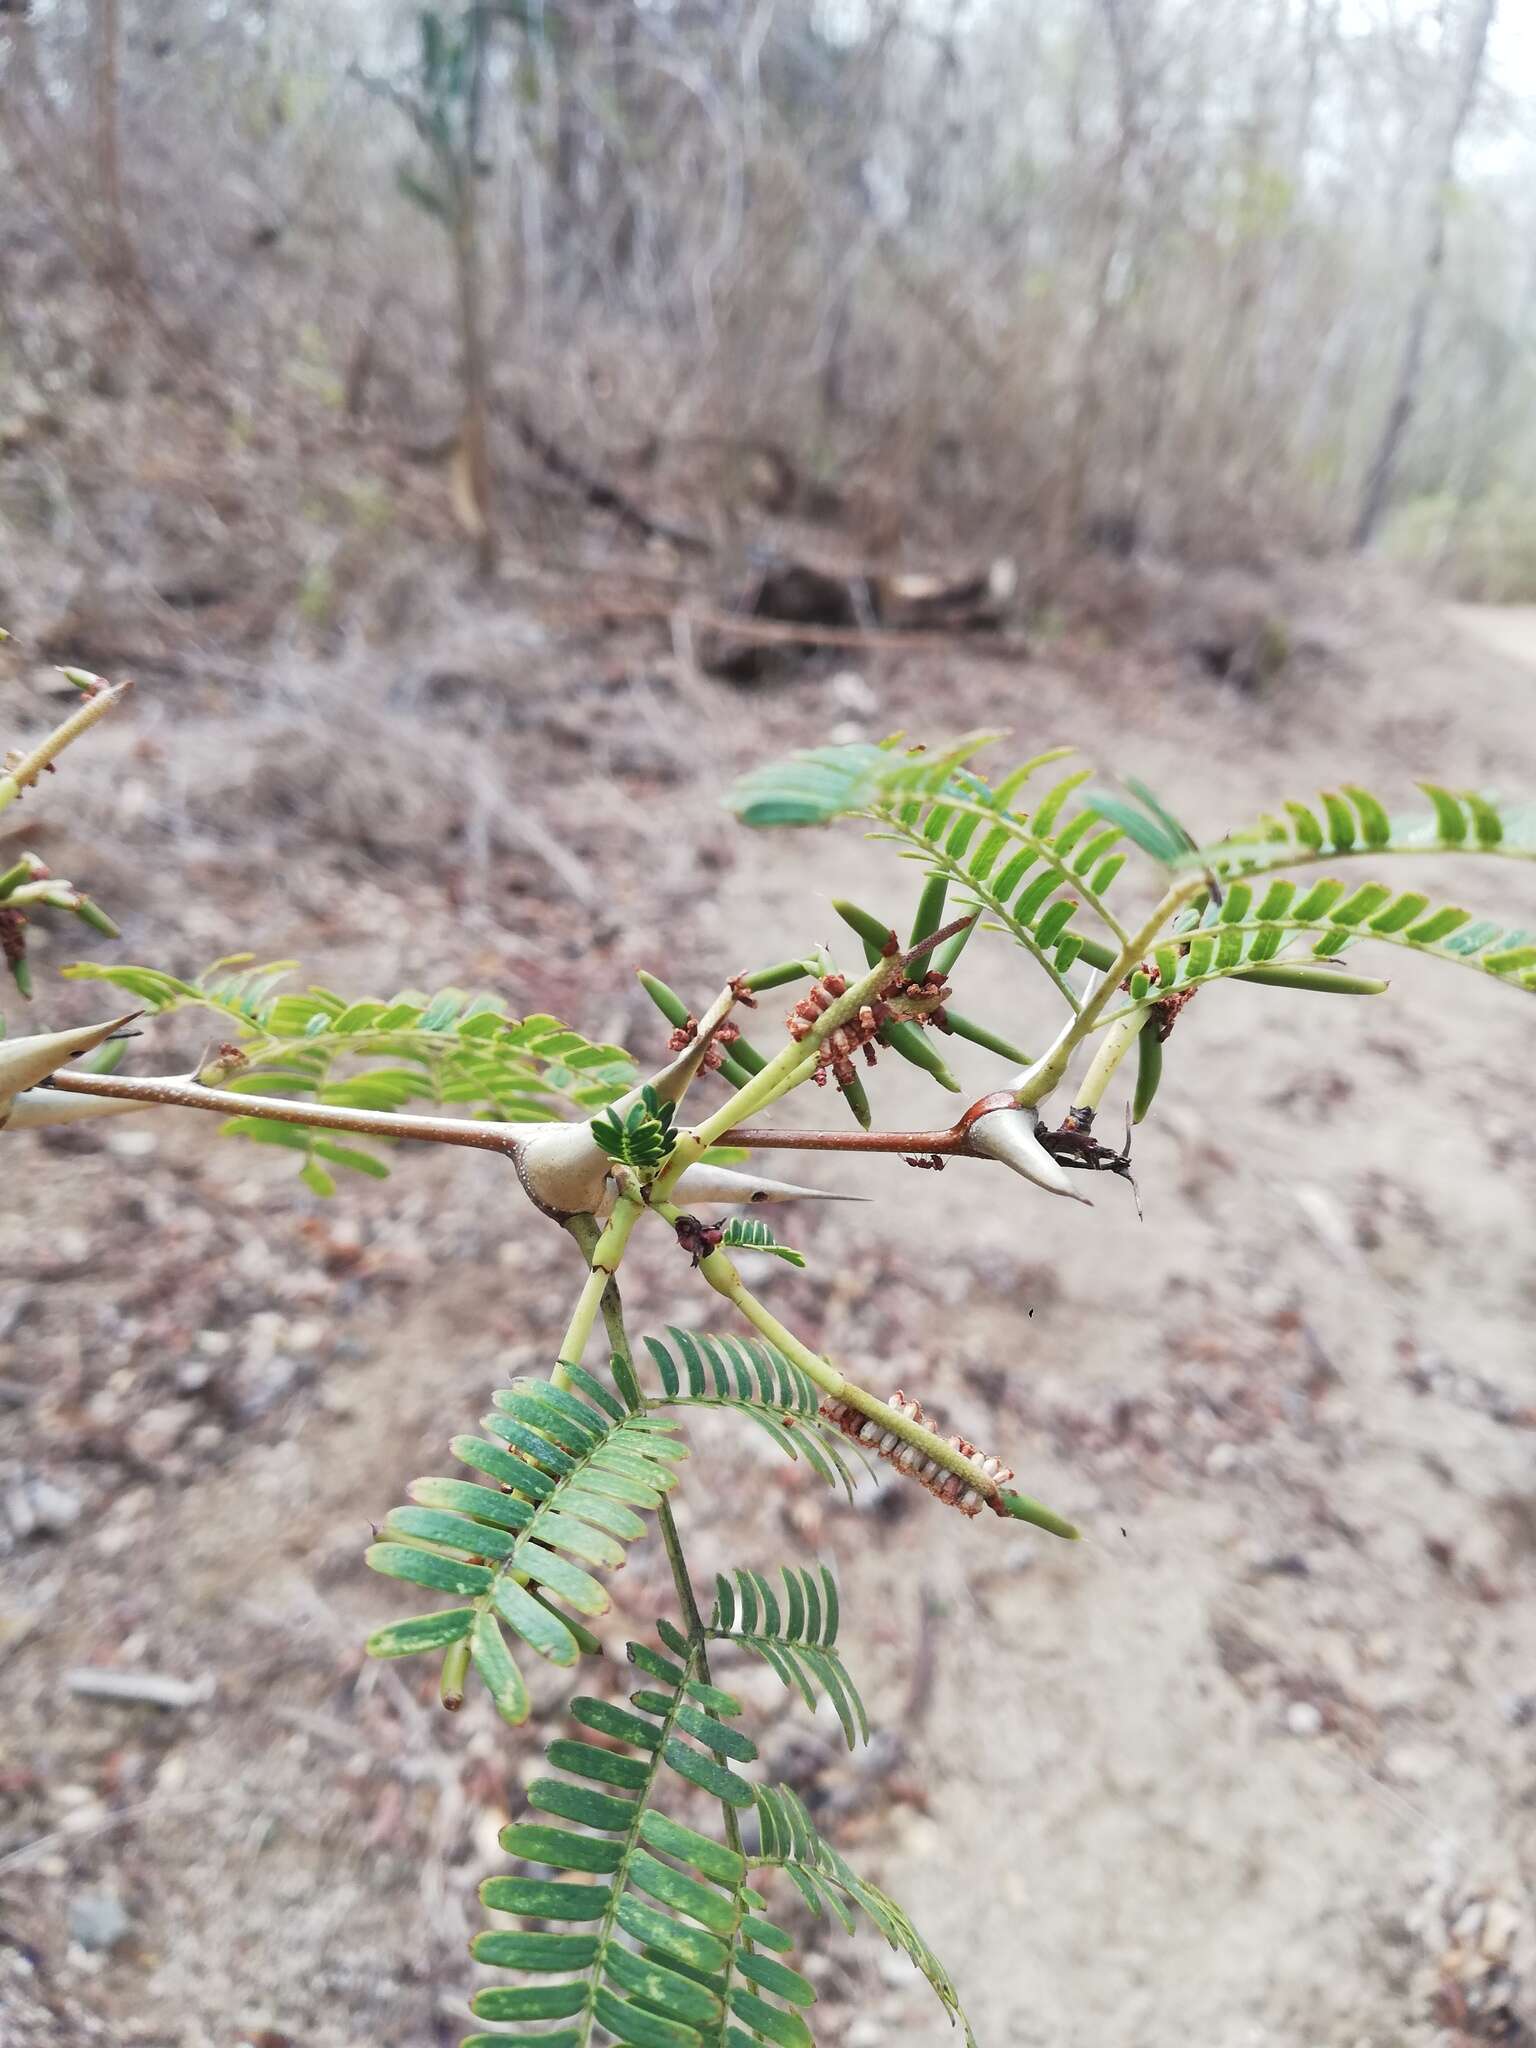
1165	1010
13	943
835	1055
722	1035
946	1486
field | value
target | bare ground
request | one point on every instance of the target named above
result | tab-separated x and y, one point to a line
1253	1765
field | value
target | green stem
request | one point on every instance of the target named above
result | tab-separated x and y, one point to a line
30	766
1046	1074
605	1250
581	1228
686	1599
1117	1042
723	1277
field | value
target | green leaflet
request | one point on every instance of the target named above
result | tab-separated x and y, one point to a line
791	1842
824	783
453	1049
572	1472
644	1137
1028	872
633	1873
1354	821
1143	820
424	1632
497	1666
746	1233
964	838
794	1636
1283	938
750	1377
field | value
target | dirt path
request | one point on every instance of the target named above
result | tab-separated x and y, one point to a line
1508	629
1252	1766
1230	1772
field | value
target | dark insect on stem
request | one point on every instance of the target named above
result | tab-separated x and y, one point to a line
928	1162
698	1238
1073	1144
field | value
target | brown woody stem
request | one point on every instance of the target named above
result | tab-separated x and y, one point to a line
755	1137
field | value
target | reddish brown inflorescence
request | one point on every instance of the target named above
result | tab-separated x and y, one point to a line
944	1485
1165	1009
858	1033
13	935
722	1035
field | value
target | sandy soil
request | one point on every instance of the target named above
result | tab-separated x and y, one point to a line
1252	1766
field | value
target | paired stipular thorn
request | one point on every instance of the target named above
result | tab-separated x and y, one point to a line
944	1485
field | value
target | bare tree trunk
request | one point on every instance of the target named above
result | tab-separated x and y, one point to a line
1405	397
118	269
474	456
1088	402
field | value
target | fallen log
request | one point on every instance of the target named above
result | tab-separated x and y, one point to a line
814	605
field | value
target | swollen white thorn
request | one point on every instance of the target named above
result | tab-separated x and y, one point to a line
564	1169
24	1062
1009	1136
671	1084
724	1184
37	1108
